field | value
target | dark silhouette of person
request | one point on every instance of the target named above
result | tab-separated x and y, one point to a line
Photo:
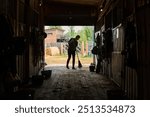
72	44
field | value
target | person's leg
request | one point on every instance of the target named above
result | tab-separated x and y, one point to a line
73	60
69	57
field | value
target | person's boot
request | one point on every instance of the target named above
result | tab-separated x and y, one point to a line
67	66
74	68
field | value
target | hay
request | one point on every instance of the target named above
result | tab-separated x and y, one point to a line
52	51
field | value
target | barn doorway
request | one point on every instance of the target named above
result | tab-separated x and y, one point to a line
57	40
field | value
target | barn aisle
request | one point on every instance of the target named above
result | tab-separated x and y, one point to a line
79	84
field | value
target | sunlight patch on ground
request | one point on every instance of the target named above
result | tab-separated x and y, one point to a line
61	60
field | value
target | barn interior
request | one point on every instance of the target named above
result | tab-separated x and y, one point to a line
123	25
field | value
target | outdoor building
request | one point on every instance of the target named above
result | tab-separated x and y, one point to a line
52	36
52	46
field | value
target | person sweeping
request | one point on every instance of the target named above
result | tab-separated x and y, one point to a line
72	44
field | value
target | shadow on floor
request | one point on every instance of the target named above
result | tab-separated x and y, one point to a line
79	84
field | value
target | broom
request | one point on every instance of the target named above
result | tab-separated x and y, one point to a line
79	63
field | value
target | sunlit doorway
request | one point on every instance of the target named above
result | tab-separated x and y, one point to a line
57	40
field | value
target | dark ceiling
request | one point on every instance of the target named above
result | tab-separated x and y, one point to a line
71	12
78	2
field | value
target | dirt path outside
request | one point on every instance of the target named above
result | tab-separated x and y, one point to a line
62	60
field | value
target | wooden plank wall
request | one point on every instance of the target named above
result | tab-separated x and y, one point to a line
20	59
9	8
117	58
143	28
134	81
23	17
137	81
131	83
123	75
129	75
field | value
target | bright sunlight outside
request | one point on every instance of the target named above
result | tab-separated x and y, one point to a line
57	40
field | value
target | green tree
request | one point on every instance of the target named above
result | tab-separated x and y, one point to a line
86	34
71	33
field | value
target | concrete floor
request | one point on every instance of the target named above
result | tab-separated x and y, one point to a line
79	84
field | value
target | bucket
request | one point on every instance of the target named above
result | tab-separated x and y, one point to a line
92	68
46	73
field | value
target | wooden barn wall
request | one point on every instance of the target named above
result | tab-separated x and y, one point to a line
21	27
136	81
99	24
129	74
111	19
117	12
118	40
9	8
33	69
143	28
131	83
121	74
26	20
23	15
117	59
35	21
